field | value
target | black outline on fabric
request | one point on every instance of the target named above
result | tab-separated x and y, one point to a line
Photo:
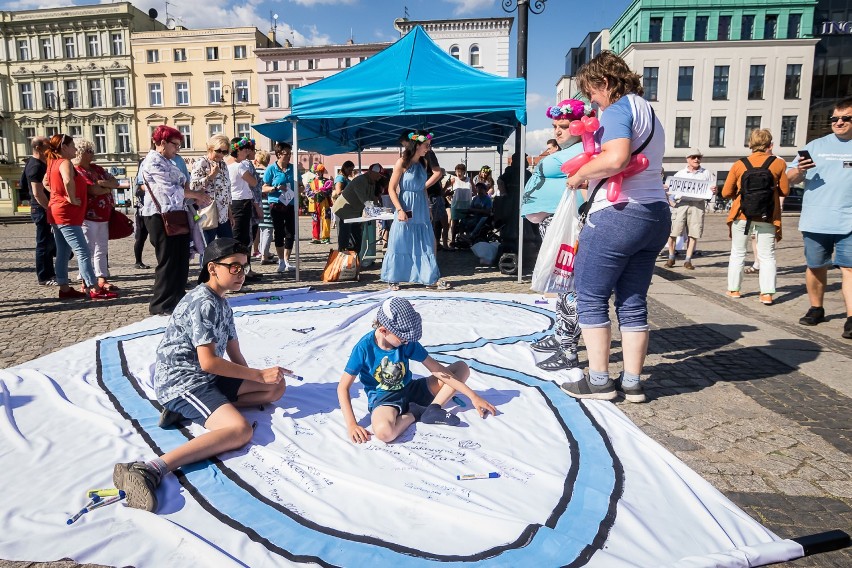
524	538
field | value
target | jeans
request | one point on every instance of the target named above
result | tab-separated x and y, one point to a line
617	252
68	238
222	231
765	235
45	249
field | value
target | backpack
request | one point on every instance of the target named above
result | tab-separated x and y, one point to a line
757	192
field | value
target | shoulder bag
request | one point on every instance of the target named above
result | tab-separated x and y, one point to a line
174	222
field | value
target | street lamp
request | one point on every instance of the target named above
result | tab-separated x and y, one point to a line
232	92
57	102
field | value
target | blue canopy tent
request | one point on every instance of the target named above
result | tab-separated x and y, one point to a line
412	84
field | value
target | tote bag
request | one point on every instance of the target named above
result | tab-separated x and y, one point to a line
342	265
554	269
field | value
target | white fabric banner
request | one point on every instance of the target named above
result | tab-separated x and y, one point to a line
689	187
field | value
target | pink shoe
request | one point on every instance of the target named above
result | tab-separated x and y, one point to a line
101	294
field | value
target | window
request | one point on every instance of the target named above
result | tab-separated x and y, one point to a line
26	96
48	90
51	130
650	77
752	123
720	82
214	92
99	135
313	63
47	48
241	88
347	62
701	28
273	96
239	52
212	53
788	130
155	94
474	56
681	132
214	129
243	130
72	94
76	131
717	132
794	25
724	28
117	44
655	30
290	89
182	93
122	133
295	65
29	134
152	55
454	51
755	82
770	26
93	46
792	81
70	47
186	130
684	83
275	65
96	96
678	25
23	50
747	26
180	54
119	92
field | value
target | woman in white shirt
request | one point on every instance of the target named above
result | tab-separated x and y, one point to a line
242	197
462	196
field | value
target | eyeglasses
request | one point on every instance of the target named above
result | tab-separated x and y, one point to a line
283	153
220	152
844	118
173	143
235	267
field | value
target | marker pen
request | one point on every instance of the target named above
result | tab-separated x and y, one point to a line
294	376
84	510
459	401
109	501
102	492
469	476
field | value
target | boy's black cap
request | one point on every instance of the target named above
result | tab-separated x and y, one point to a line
219	248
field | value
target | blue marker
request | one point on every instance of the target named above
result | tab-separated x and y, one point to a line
459	401
294	376
469	476
109	501
84	510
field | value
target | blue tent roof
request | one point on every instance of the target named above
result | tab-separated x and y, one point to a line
410	84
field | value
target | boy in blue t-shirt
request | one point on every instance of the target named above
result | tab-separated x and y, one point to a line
381	361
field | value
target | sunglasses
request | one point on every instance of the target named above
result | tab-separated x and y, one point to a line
235	267
844	118
220	152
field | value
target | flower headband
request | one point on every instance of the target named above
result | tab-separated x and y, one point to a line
570	109
420	138
317	168
242	143
485	169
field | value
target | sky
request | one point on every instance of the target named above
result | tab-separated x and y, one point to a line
562	25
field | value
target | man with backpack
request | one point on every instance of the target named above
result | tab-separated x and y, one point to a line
825	165
756	184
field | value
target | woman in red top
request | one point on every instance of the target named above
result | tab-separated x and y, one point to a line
99	204
66	210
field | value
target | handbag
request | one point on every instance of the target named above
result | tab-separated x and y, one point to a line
209	217
554	268
120	225
342	265
174	222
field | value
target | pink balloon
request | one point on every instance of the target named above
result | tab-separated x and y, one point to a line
570	167
576	128
591	123
589	142
613	187
638	164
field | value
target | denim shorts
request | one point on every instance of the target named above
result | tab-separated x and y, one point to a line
819	248
199	403
416	391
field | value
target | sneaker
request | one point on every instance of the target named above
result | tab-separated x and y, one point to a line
51	282
766	299
813	317
71	294
558	361
688	265
169	418
141	266
267	261
670	263
733	294
315	241
328	242
584	389
434	414
547	344
633	393
101	294
255	255
847	328
283	266
139	483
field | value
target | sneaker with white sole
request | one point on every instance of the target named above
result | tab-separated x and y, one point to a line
634	393
140	484
584	389
558	361
283	266
546	344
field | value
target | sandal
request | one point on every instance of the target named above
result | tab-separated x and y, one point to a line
559	361
751	270
109	287
441	285
393	287
547	344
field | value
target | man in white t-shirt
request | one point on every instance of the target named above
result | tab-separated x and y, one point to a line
689	212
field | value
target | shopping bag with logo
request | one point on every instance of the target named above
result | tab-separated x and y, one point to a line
342	265
554	269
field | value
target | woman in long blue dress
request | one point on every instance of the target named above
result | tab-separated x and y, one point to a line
410	255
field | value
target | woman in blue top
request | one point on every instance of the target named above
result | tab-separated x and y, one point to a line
621	240
280	190
341	180
410	255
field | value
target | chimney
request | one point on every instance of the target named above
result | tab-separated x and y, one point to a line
271	36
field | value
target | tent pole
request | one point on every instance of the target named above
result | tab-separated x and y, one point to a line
522	168
295	165
359	160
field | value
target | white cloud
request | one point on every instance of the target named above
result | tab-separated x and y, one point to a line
470	6
318	2
536	101
537	140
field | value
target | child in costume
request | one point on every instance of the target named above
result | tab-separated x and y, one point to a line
319	204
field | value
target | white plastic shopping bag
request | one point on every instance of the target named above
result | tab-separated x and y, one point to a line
554	269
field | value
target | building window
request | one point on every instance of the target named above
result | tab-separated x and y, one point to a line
678	25
755	82
454	51
182	93
717	132
243	130
681	132
214	129
347	62
47	48
752	123
788	130
724	28
770	26
51	130
29	134
295	65
99	135
93	46
474	56
186	130
155	94
650	77
701	27
76	131
720	82
214	92
212	53
794	25
122	133
48	91
275	65
117	44
792	81
747	26
273	96
152	55
26	96
290	89
179	54
70	47
96	96
313	64
72	94
23	50
119	92
655	30
684	83
239	52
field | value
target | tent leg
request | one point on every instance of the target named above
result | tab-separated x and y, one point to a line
521	170
359	161
295	165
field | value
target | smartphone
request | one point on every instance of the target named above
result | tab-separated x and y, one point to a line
409	214
805	155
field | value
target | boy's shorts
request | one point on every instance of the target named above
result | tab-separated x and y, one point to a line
417	391
199	403
819	248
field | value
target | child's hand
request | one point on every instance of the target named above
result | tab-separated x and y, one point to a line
273	375
483	407
358	434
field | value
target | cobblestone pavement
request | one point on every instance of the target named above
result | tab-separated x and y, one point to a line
751	400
